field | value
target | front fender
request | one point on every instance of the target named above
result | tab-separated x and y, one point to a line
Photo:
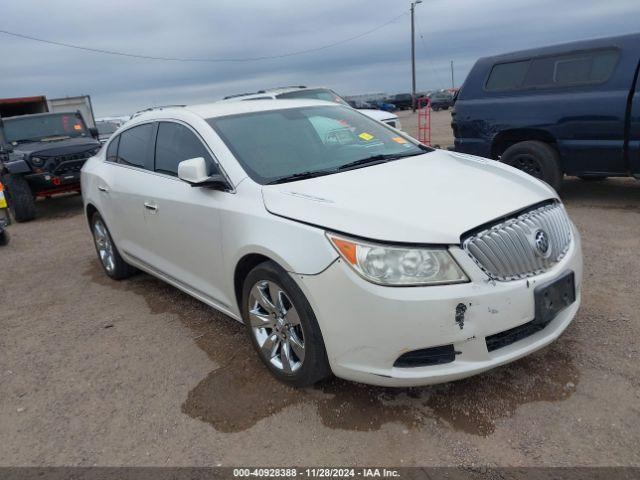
296	247
17	166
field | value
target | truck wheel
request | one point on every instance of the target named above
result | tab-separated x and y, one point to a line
110	259
22	203
4	237
536	158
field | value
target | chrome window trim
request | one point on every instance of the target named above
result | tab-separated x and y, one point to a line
164	175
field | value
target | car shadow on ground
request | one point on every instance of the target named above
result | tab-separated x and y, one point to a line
59	206
240	392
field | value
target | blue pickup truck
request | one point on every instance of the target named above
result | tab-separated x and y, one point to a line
569	109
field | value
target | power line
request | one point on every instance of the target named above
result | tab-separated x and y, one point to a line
202	60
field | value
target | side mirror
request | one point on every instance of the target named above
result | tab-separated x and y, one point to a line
94	132
194	172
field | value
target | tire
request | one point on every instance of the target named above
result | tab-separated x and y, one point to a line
112	263
22	203
4	237
593	178
536	158
282	334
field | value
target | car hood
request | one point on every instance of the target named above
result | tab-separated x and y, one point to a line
431	198
59	147
378	114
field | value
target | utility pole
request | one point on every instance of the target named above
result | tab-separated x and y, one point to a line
453	85
413	54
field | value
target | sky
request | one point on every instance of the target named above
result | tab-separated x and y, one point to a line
458	30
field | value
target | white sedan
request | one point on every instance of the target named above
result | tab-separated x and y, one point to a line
343	245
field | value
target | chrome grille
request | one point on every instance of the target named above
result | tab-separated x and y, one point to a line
513	249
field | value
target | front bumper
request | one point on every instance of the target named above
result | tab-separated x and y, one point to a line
45	182
367	327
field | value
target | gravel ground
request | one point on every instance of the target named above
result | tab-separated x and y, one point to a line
96	372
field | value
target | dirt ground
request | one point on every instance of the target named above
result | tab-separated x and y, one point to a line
97	372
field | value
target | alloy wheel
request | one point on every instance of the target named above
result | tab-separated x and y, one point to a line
104	246
276	327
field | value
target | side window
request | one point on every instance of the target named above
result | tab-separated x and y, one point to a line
506	76
112	150
134	145
176	143
556	71
562	70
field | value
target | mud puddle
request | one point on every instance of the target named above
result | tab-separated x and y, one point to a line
241	392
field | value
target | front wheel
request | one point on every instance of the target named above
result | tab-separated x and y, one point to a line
536	158
22	203
282	327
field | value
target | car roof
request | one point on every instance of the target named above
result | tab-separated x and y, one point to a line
566	47
224	108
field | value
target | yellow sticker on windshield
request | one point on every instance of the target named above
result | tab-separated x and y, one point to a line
365	136
399	140
77	126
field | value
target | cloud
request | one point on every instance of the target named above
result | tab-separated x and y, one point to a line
459	30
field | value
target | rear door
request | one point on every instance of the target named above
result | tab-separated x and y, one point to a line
124	187
183	222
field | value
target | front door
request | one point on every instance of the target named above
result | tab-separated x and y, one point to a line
183	223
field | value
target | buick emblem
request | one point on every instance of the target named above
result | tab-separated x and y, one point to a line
541	243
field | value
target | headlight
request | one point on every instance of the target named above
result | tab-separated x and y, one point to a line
396	265
37	161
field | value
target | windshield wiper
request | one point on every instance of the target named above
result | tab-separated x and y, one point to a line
376	159
300	176
372	160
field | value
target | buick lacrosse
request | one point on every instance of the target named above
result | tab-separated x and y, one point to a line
344	245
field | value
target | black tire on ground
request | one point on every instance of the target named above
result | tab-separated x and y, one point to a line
4	237
435	109
22	203
592	178
121	269
536	158
315	365
446	107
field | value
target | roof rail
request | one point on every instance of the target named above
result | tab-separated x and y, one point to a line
237	95
281	88
150	109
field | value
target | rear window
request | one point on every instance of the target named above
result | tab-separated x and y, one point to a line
555	71
135	145
505	76
112	150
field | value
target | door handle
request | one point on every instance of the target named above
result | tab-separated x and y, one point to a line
150	206
103	189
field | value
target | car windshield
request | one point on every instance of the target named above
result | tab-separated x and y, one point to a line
43	127
285	145
316	94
